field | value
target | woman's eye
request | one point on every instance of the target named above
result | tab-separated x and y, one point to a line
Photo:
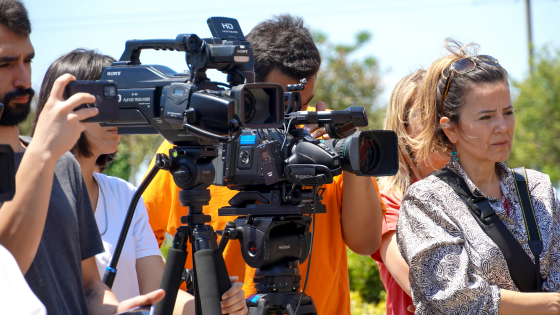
485	117
509	112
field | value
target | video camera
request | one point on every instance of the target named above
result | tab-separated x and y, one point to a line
187	108
255	130
7	170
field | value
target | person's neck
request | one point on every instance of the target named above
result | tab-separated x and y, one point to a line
10	135
87	165
425	169
483	175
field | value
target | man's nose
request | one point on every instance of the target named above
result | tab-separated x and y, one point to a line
22	75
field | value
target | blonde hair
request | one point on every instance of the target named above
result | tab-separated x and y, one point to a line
429	111
397	118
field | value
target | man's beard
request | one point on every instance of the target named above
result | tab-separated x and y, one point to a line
16	113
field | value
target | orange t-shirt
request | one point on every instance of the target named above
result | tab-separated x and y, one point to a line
328	282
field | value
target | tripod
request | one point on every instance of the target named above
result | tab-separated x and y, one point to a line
274	239
193	172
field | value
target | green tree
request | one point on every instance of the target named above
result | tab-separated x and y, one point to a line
134	150
365	278
343	81
537	127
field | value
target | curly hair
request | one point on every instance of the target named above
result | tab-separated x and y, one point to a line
284	43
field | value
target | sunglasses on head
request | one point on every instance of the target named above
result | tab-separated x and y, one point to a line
466	65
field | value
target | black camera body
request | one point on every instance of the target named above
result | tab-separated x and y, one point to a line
275	173
187	108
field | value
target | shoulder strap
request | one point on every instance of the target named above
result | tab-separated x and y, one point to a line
533	231
517	259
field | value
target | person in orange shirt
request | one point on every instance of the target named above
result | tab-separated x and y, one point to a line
284	53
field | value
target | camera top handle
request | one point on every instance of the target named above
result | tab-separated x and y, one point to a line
183	42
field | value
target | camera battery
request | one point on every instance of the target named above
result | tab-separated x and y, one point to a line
271	161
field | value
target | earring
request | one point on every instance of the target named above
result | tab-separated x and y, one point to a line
454	157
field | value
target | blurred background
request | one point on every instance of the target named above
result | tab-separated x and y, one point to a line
366	46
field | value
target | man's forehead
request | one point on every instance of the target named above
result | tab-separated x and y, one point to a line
12	44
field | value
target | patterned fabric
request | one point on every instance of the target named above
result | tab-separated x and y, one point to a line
455	268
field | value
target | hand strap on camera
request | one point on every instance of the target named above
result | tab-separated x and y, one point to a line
517	259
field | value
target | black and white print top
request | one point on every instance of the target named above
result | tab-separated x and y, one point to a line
455	268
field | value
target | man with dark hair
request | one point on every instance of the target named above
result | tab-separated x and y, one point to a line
47	226
284	53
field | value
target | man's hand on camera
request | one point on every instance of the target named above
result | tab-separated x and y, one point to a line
314	130
59	126
233	301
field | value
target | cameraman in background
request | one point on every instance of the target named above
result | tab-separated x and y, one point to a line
47	226
284	53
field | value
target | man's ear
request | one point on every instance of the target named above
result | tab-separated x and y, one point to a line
450	129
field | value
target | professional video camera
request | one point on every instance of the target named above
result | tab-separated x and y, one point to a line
277	173
7	170
263	152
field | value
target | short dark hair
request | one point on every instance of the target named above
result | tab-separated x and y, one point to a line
285	43
14	16
84	64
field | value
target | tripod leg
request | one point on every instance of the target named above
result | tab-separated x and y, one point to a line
171	280
210	268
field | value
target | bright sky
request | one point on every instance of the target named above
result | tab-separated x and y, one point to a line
407	34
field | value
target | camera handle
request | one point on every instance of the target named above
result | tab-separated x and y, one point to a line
183	42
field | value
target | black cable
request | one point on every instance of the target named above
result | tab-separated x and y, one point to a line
310	248
111	270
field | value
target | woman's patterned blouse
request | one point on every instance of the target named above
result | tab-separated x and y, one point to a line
455	268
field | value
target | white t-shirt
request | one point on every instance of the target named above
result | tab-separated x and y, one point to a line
115	194
15	295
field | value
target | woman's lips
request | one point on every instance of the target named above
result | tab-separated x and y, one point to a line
501	143
114	131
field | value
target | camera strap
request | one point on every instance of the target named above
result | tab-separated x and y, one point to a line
517	259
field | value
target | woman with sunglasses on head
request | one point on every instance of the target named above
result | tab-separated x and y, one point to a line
141	265
392	267
447	222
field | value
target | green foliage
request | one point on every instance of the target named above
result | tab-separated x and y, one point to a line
25	127
343	81
365	278
537	127
133	151
359	307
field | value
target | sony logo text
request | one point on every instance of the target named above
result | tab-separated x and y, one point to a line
114	73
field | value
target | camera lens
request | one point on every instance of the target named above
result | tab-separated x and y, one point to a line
110	91
368	153
249	106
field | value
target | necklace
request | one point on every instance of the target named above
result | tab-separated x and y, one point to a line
104	206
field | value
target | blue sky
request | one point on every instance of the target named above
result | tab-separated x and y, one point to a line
407	34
